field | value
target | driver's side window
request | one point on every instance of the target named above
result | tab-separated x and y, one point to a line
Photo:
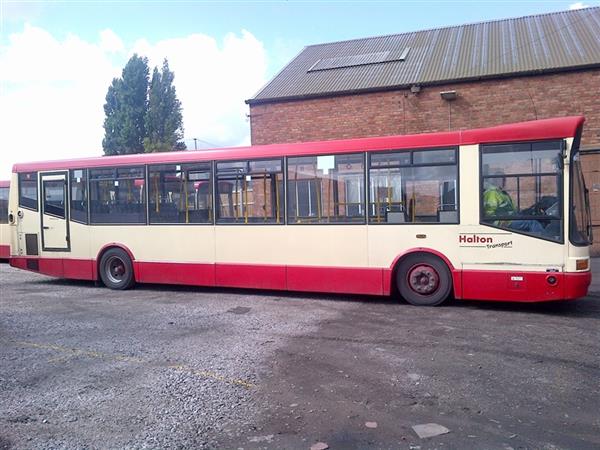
521	188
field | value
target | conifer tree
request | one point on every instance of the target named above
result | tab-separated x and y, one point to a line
164	120
125	109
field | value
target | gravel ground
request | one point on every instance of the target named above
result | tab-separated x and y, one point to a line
172	367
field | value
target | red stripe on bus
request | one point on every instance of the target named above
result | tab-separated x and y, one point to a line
4	251
469	284
556	128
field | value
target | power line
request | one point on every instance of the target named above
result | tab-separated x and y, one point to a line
204	141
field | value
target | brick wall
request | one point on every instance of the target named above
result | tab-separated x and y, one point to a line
479	104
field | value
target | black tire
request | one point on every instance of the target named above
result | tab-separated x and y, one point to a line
116	269
423	280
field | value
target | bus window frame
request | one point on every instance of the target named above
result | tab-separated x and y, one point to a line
371	220
211	164
45	204
561	179
216	193
87	187
4	217
364	154
116	167
586	200
37	187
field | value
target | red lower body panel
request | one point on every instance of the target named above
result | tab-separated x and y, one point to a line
76	269
468	284
335	279
170	273
523	286
4	251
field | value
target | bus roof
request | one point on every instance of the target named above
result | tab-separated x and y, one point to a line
556	128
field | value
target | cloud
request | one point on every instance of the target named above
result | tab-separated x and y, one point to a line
53	90
212	82
110	42
52	96
578	5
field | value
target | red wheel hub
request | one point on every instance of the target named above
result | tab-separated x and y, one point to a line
423	279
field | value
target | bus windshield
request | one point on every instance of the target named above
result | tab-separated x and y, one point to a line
581	224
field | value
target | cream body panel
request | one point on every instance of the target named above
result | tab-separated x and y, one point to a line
312	245
508	251
387	242
468	205
80	243
29	223
13	236
4	234
168	243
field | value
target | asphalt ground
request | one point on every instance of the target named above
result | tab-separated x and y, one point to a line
172	367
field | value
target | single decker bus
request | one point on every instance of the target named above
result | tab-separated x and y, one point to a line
497	213
4	230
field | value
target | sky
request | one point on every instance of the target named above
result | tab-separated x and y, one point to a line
57	58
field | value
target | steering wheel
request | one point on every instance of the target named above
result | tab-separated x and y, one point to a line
548	205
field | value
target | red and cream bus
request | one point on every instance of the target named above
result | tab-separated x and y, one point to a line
4	231
497	213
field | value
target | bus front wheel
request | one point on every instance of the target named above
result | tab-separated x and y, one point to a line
116	269
423	280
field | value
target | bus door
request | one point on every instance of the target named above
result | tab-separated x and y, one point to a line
55	223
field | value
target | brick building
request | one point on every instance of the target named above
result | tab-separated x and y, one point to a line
491	73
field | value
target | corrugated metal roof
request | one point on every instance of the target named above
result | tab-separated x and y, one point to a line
533	44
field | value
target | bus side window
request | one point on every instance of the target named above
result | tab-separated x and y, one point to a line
28	190
326	189
521	188
250	191
3	205
180	193
413	186
117	195
78	180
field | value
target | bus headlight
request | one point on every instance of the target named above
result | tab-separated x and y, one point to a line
582	264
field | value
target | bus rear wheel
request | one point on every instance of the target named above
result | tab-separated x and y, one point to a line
116	269
423	280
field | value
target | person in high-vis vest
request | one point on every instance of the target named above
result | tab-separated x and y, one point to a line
498	203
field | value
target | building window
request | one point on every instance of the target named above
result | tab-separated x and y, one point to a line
4	204
250	191
28	190
78	179
413	186
117	195
521	188
326	189
180	193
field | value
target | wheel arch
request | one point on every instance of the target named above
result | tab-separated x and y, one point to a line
107	247
454	272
